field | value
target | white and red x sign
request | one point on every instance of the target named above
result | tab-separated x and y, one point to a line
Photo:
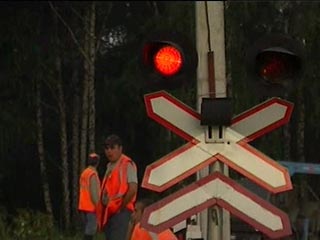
235	151
217	189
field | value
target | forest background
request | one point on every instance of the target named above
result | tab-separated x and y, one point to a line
70	74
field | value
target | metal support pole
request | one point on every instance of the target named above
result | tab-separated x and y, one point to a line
211	82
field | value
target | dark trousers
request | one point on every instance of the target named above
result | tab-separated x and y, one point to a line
90	223
117	226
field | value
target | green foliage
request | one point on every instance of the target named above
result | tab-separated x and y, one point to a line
4	233
30	225
34	225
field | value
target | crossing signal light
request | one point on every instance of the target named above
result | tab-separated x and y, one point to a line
276	65
275	61
168	60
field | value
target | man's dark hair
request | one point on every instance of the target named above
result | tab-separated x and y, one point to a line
93	159
113	140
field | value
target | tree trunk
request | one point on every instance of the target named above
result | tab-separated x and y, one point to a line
286	129
91	76
63	146
85	94
43	170
287	141
84	110
75	144
300	125
63	131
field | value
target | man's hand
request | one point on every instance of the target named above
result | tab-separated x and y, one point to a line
104	198
132	190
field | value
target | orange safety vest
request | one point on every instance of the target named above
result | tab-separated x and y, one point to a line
115	186
140	233
167	235
85	202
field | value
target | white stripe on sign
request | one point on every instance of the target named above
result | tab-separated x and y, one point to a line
177	117
177	165
251	208
254	165
260	119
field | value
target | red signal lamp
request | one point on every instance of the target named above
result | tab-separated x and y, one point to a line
164	58
168	60
275	67
275	64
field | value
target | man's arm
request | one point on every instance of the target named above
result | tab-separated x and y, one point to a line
130	228
132	179
94	189
132	191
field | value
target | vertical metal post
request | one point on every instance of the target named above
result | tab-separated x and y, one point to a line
211	82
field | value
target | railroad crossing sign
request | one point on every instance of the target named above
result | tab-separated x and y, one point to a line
217	189
234	151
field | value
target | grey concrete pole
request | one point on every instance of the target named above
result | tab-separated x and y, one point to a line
210	37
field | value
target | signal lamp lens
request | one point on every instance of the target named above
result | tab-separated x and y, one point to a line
274	70
168	61
277	67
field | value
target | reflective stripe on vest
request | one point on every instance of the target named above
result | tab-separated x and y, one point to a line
85	202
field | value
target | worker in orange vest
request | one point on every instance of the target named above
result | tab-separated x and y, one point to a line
89	196
118	191
136	232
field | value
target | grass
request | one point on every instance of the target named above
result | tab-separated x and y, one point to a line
30	225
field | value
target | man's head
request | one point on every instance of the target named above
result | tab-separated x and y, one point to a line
113	147
93	159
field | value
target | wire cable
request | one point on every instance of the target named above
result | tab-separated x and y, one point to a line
208	25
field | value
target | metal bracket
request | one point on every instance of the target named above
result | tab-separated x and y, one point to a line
215	134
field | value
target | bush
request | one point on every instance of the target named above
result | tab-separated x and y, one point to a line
28	225
34	225
4	235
